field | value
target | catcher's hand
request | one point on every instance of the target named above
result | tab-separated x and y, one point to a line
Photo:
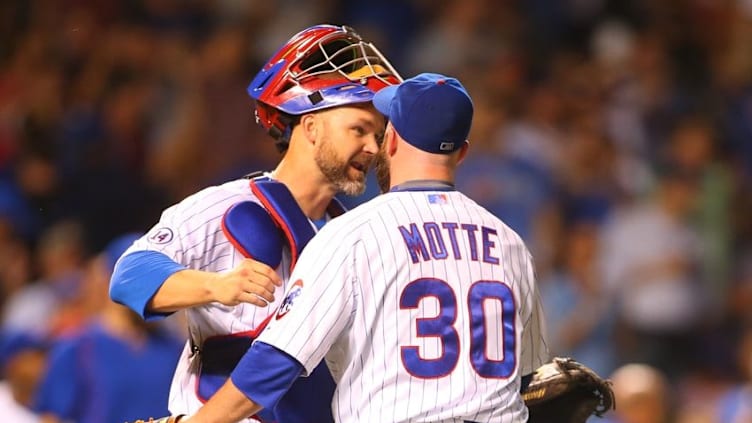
566	391
168	419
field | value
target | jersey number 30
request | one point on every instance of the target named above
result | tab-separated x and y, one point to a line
443	327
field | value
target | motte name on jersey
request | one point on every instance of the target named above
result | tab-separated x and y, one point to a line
439	241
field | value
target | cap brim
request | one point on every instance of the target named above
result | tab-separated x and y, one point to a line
382	100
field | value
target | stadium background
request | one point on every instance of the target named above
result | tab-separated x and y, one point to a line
614	136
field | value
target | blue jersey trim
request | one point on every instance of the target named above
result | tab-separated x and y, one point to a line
138	276
265	374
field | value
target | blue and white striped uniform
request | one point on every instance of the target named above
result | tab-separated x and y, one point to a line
190	233
424	306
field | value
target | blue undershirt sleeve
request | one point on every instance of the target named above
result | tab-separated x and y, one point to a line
265	374
138	276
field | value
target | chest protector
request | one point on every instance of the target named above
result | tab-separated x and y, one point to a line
261	233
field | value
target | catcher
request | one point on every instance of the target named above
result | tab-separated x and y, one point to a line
566	391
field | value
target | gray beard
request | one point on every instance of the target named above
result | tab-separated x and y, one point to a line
335	170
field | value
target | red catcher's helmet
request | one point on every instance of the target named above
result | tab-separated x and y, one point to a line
320	67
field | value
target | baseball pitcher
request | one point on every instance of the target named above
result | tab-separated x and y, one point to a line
422	303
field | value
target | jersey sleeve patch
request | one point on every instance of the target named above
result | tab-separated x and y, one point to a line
295	290
162	235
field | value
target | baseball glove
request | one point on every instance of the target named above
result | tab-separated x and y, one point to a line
566	391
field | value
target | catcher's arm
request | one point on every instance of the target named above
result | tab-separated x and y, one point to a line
567	391
165	286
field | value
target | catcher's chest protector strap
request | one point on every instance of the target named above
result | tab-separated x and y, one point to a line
260	232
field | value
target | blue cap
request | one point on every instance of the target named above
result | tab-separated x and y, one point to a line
117	247
432	112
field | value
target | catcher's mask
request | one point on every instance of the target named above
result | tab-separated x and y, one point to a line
320	67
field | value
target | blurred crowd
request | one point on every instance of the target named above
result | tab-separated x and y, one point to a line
614	136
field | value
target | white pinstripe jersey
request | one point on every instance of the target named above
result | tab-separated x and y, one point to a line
190	233
425	307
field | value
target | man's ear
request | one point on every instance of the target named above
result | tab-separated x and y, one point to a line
463	151
309	124
390	140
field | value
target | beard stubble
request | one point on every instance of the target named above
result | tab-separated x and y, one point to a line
336	169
